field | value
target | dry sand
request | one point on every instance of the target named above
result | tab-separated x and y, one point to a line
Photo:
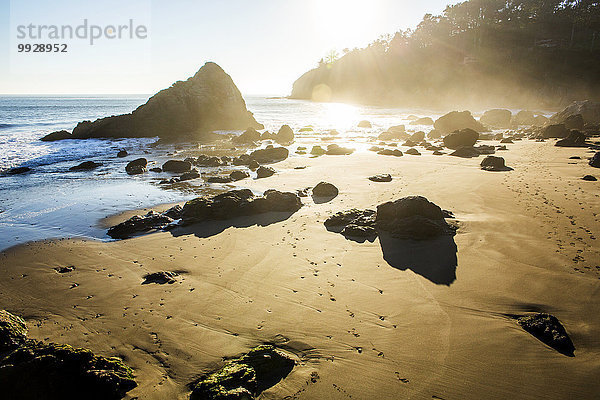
359	327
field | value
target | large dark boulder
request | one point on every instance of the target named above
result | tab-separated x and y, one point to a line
466	152
236	203
595	160
269	155
264	172
17	171
325	189
137	166
85	166
353	223
208	161
189	109
456	120
177	166
396	134
238	175
249	136
589	111
548	329
523	117
245	377
555	131
417	137
189	175
497	118
575	139
285	135
412	217
422	121
58	135
381	178
337	150
461	138
574	121
492	163
139	223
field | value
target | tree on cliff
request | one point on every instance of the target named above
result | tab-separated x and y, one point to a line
515	50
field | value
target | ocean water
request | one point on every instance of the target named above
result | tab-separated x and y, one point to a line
52	202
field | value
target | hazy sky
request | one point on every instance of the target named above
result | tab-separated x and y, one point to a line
263	44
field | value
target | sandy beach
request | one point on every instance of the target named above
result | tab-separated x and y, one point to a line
428	319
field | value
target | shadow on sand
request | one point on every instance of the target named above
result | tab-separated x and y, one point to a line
214	227
434	259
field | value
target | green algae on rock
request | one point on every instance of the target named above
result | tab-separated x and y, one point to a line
548	329
245	377
13	331
35	370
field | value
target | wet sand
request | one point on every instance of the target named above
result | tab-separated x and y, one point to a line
363	320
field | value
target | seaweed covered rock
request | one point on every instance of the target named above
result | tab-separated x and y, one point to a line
245	377
138	224
53	371
30	369
412	217
364	124
548	329
461	138
236	203
13	331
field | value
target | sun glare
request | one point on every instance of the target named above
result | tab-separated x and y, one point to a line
340	116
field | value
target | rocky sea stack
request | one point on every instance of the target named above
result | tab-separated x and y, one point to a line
189	109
